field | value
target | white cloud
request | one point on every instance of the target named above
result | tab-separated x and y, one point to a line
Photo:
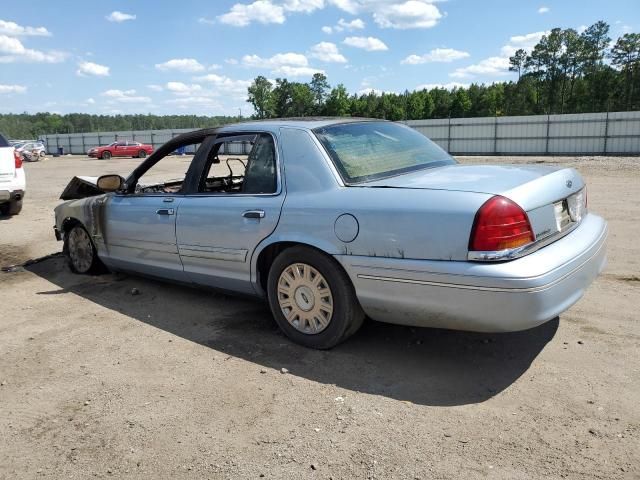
15	30
206	21
289	71
93	69
499	65
343	25
543	10
370	44
277	60
201	104
447	86
90	101
261	11
304	6
12	88
119	17
526	42
488	66
125	96
370	91
287	64
12	50
155	88
189	65
214	66
410	14
444	55
327	52
180	88
223	83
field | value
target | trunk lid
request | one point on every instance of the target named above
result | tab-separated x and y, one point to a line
551	196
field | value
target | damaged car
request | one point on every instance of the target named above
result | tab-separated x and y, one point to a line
334	220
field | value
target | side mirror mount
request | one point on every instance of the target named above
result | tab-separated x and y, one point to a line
110	183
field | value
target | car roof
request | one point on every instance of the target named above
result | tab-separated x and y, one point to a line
300	122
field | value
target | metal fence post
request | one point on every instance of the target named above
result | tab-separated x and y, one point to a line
449	136
69	142
84	148
495	135
606	132
546	148
153	143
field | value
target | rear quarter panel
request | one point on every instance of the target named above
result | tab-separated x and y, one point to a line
391	222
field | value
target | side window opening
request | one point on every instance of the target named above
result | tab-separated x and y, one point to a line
168	174
247	167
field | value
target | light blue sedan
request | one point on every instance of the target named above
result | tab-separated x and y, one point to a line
334	220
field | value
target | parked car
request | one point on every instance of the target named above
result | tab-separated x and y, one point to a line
335	219
121	149
12	179
37	148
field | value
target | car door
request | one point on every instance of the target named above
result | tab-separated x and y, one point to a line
140	227
217	231
120	149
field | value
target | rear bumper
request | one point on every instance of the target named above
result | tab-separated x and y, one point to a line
486	297
10	195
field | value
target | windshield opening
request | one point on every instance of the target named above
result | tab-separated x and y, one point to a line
365	151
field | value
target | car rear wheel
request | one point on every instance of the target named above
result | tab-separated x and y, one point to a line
106	155
11	208
312	298
80	252
42	153
142	154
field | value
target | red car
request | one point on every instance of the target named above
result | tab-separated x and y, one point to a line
121	148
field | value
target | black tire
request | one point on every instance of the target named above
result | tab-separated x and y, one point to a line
43	153
142	154
86	260
106	155
13	207
347	315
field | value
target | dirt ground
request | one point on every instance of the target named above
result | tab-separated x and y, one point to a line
184	383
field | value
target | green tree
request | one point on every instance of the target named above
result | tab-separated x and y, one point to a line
260	95
625	54
320	88
338	102
518	61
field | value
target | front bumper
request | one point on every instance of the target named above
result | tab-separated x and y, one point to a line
484	297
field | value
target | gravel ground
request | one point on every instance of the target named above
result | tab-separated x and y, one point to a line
183	383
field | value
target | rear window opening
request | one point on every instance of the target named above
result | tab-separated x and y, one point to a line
3	141
365	151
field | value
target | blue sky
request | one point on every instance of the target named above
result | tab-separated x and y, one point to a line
147	56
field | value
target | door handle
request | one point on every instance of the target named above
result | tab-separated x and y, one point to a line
165	211
253	214
168	200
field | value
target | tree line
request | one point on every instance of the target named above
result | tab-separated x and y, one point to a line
31	126
566	72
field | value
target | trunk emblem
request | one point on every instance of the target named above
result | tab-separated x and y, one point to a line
569	183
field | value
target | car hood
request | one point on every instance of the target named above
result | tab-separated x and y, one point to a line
491	179
81	187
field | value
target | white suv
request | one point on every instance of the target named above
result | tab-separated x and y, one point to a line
12	179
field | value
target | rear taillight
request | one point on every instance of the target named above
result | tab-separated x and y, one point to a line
500	224
18	159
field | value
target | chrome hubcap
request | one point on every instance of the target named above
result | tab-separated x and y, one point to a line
80	249
305	298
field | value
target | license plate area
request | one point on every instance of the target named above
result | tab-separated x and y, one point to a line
569	211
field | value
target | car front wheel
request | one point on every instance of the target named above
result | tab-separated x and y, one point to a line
106	155
312	298
142	154
80	252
